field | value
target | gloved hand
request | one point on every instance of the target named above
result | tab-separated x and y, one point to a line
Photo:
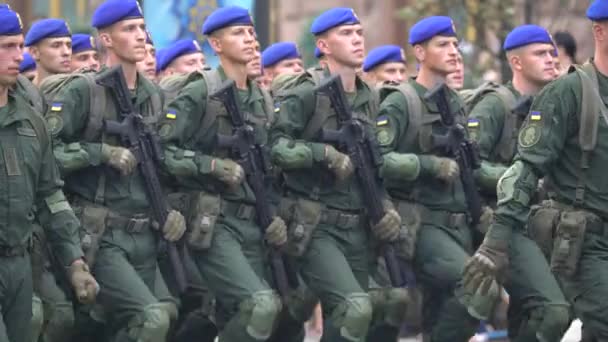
339	163
174	227
85	286
119	158
227	171
486	266
389	227
485	220
445	169
276	232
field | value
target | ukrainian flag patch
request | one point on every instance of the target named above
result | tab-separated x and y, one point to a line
56	107
473	123
171	115
535	116
382	121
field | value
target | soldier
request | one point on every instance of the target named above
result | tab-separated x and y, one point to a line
455	80
148	65
84	53
385	63
50	43
182	57
559	140
225	240
333	248
254	66
31	181
106	185
494	123
425	182
27	67
281	58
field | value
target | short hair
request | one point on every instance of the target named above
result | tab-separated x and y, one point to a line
567	42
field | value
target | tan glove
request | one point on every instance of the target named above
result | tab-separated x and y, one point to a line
446	169
174	227
485	220
228	172
389	227
276	232
119	158
85	286
339	163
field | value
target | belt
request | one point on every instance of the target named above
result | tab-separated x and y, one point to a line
341	219
444	217
595	223
8	252
239	210
133	224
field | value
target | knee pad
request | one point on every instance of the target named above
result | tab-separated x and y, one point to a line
37	318
353	316
554	322
389	305
260	313
60	321
150	325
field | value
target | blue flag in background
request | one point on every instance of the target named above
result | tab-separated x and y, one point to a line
171	20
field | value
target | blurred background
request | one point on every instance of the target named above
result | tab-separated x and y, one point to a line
481	24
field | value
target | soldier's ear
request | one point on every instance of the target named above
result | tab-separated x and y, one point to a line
599	31
215	43
420	52
323	45
35	52
106	39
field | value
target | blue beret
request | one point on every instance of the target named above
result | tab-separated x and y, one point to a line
83	42
175	50
226	16
47	28
149	38
27	64
160	54
112	11
10	22
332	18
318	53
383	54
430	27
598	10
278	52
525	35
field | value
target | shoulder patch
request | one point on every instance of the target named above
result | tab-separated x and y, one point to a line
56	107
473	123
171	114
382	121
529	135
54	123
385	137
165	130
535	116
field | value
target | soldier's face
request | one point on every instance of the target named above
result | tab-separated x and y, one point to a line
392	71
455	80
287	66
344	44
439	54
254	66
85	60
235	43
127	40
54	55
187	63
11	55
148	65
536	63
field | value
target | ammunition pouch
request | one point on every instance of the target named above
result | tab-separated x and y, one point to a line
560	231
94	222
302	217
201	210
